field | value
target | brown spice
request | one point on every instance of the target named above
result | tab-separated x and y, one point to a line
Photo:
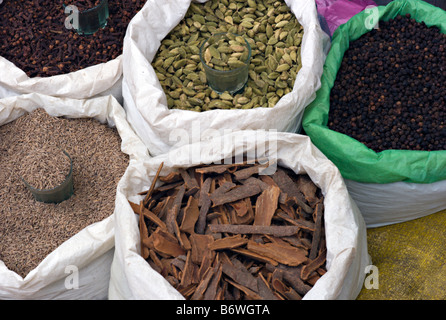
45	167
263	237
30	230
393	99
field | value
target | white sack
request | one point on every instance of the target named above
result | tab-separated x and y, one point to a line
98	80
347	256
145	100
90	250
389	203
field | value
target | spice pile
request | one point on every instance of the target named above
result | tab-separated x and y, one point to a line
83	4
35	39
30	230
230	232
45	167
270	28
390	91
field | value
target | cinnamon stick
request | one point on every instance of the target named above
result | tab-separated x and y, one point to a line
240	275
266	206
191	214
203	285
172	213
228	243
318	232
204	203
152	186
229	232
164	243
144	233
248	172
313	265
277	231
237	193
212	289
282	253
289	187
189	180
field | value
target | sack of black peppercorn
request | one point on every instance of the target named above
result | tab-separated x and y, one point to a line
380	112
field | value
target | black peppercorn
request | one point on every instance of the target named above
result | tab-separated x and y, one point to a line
390	92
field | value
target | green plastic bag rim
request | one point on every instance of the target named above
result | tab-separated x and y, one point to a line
354	159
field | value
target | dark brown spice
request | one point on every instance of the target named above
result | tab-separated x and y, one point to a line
260	244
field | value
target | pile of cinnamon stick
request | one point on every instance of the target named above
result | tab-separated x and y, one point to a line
227	231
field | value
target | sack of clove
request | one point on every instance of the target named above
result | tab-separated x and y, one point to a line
165	85
252	215
63	248
42	52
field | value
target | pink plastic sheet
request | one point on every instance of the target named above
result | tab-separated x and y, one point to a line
337	12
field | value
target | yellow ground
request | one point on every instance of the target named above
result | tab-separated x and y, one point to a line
410	258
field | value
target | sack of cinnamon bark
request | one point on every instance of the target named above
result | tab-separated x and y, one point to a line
165	86
272	221
42	52
60	250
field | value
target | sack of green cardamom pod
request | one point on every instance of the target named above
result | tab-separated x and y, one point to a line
395	184
165	90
